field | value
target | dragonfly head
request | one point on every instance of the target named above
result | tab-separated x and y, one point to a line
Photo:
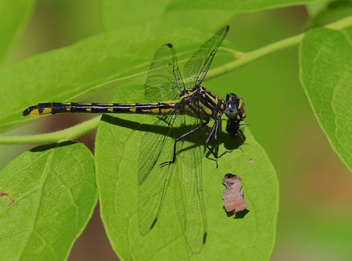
234	107
235	112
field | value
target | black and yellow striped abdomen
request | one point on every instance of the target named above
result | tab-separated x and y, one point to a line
159	108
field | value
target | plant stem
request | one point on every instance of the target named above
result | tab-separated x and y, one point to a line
249	57
58	136
243	59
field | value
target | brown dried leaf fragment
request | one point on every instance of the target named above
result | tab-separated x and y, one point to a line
6	194
232	195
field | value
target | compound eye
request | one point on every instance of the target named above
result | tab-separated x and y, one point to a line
231	109
231	97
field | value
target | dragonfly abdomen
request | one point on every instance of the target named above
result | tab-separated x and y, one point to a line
159	108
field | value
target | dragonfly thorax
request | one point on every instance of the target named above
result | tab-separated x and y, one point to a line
235	112
200	103
234	107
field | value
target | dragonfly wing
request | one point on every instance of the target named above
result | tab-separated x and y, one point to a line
153	180
164	81
197	67
188	187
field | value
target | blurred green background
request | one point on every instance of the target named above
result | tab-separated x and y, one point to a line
315	195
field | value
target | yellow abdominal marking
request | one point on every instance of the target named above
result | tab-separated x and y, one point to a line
111	110
132	110
34	112
68	109
164	111
88	109
167	102
155	111
46	111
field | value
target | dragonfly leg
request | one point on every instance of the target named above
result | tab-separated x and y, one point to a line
240	135
181	137
214	154
214	132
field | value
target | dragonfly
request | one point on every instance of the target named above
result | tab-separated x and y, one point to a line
183	109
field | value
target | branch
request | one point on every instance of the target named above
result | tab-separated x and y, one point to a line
58	136
246	58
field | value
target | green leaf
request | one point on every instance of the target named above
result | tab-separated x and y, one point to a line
250	238
154	15
325	12
13	15
326	75
55	193
165	16
85	68
237	6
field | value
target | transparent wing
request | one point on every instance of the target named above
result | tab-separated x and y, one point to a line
156	147
164	80
197	67
188	185
153	180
